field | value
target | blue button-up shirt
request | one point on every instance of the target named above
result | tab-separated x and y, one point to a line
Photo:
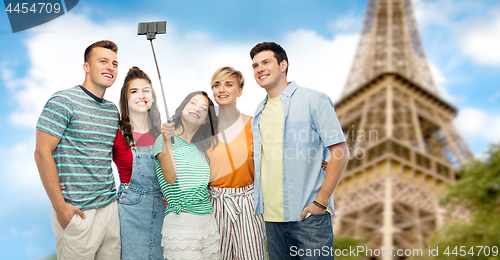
309	127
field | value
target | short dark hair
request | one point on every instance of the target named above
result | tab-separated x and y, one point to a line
279	52
103	44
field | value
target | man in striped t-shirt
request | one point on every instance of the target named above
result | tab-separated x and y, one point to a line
74	141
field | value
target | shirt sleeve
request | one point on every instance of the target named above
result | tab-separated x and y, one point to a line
159	174
122	157
158	145
326	122
56	115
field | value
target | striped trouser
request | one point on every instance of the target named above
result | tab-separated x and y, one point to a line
243	235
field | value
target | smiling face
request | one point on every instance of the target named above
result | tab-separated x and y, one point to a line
139	96
195	113
102	67
227	91
266	70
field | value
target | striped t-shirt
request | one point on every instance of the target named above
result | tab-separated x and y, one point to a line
189	192
87	129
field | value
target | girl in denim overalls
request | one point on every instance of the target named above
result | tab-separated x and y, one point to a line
140	200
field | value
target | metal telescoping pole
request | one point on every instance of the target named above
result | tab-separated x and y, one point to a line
161	84
162	91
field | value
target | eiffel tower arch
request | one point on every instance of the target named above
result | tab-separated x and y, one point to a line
403	144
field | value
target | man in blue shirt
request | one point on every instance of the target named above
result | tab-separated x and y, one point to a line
294	129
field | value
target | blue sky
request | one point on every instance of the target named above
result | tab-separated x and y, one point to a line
460	38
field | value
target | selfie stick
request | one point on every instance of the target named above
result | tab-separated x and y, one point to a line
150	29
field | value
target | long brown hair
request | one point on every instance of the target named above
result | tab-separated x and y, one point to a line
206	135
154	119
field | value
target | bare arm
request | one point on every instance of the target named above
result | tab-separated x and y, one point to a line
45	145
166	157
339	156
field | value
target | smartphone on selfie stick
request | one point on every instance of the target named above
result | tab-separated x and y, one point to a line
151	29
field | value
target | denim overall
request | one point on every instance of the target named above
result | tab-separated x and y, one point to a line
141	209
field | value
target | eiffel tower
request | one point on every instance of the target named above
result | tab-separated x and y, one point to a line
403	144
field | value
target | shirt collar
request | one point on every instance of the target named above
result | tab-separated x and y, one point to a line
288	92
97	99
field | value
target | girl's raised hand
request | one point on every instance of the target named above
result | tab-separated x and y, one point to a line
168	130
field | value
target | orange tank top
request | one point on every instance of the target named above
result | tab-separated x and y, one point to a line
231	165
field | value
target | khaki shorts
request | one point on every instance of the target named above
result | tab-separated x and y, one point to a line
95	237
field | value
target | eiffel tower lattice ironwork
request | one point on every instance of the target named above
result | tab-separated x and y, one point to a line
403	144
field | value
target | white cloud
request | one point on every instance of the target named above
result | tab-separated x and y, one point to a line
446	13
23	176
319	63
475	123
477	36
347	23
430	13
8	74
186	60
481	41
437	75
440	82
20	176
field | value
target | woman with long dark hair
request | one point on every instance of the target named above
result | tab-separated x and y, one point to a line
139	203
189	227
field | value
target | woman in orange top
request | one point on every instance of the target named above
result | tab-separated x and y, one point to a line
242	233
